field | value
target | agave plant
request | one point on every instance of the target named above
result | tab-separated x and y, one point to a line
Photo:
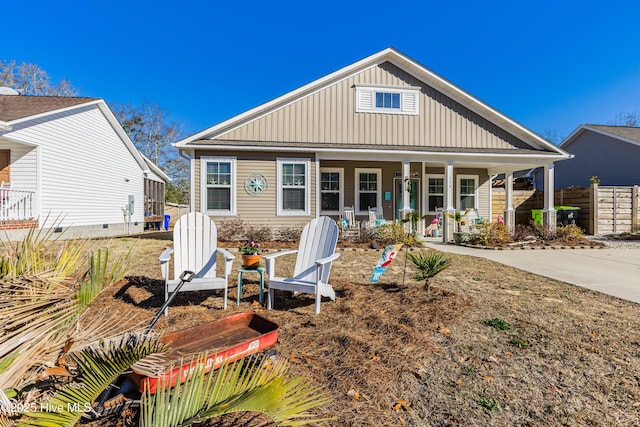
237	387
428	264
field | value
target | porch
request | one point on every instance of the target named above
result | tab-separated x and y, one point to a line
17	209
394	189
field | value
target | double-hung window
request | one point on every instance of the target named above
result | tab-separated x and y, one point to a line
218	185
293	187
368	190
331	194
435	192
467	192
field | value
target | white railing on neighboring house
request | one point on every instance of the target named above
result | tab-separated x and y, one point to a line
16	204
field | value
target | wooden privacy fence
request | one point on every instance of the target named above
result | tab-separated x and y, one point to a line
603	209
616	209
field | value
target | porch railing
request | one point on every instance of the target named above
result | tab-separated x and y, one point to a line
16	204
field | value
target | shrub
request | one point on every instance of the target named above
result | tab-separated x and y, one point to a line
368	235
570	233
523	232
258	232
289	233
392	234
231	230
494	233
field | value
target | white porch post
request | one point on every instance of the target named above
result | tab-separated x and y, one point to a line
406	196
509	211
448	223
549	212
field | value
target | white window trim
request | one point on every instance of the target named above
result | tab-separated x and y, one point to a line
340	171
427	194
406	94
307	189
203	186
475	192
356	179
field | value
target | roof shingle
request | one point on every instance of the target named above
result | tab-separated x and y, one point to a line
626	132
13	107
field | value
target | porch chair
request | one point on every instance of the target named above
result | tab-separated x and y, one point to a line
348	223
315	254
195	248
375	219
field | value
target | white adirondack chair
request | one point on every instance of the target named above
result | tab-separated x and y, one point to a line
195	248
316	252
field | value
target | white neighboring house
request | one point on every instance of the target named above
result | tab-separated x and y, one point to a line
67	163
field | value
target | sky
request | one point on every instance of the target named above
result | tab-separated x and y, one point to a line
549	65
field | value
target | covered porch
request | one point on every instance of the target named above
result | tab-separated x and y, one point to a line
430	184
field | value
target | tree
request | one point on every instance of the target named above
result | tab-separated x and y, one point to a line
30	79
151	132
552	135
630	119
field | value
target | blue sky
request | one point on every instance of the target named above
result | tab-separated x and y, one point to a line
550	65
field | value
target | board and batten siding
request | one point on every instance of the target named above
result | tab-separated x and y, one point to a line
329	116
613	161
257	209
85	171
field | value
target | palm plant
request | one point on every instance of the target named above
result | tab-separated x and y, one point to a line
41	306
428	264
98	365
237	387
458	216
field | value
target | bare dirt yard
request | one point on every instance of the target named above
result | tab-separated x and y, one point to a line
393	354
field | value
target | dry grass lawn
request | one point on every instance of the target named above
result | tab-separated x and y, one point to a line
393	354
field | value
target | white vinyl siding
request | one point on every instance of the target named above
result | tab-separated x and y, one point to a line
467	191
384	99
368	190
85	173
331	191
218	183
294	195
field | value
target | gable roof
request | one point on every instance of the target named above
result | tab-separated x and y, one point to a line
14	107
627	134
400	60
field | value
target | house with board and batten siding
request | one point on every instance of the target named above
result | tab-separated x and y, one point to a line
66	164
384	133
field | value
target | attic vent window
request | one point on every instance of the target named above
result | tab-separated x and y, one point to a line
390	100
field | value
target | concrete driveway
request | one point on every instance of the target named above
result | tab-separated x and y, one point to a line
612	271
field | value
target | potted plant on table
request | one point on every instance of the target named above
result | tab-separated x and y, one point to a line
251	254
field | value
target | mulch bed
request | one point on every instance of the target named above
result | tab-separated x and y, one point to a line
394	354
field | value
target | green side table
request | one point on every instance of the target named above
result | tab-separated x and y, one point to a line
260	271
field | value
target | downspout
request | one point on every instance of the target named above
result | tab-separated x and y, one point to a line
191	176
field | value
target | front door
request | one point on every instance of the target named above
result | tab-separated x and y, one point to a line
5	162
414	185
